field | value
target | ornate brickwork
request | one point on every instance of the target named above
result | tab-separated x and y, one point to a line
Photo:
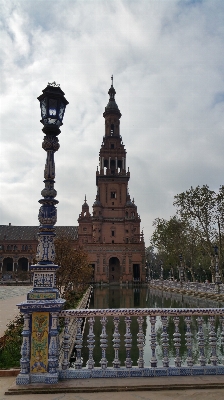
113	229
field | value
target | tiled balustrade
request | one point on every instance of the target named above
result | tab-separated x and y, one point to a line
204	350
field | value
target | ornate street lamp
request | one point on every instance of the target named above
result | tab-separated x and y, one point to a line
41	310
52	104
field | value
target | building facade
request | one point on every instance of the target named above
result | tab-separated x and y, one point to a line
111	235
18	248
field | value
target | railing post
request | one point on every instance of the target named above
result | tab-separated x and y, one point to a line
153	360
201	342
165	344
141	342
53	352
66	337
116	343
25	351
78	345
103	342
176	338
188	336
128	342
212	340
91	341
222	334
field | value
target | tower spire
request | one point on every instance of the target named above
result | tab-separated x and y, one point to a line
112	107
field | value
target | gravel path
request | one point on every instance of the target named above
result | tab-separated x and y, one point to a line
9	297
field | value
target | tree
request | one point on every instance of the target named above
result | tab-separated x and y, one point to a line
173	238
204	210
74	272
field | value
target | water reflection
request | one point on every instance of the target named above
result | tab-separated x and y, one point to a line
116	297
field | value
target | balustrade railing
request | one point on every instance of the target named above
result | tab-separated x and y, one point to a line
185	341
205	287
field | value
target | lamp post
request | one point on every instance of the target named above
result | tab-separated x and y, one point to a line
147	268
40	348
217	275
161	270
181	270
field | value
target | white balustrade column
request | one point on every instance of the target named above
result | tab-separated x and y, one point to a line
201	342
176	338
128	342
103	342
153	360
65	344
25	349
222	334
53	351
91	341
140	342
116	343
213	341
188	336
165	342
78	345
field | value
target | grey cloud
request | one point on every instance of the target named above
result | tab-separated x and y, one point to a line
167	61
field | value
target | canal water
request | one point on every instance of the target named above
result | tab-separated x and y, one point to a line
141	297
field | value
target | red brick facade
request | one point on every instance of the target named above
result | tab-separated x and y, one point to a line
111	235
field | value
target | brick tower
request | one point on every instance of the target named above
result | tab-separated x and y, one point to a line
113	240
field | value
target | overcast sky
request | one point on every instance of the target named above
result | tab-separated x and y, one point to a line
167	58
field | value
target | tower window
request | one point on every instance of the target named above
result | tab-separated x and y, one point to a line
112	146
112	129
112	233
112	241
113	195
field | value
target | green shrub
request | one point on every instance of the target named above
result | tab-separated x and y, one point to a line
10	344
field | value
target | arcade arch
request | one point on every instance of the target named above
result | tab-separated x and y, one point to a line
114	270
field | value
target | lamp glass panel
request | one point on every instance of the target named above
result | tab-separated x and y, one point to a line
52	107
43	106
61	111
